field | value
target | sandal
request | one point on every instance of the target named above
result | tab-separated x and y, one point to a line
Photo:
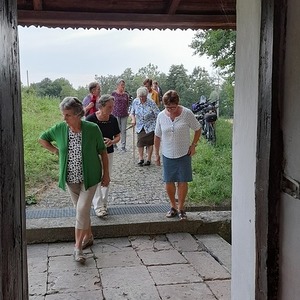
182	215
88	243
172	213
141	163
147	163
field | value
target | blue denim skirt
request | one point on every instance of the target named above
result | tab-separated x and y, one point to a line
177	169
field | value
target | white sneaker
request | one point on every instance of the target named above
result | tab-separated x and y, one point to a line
101	212
78	255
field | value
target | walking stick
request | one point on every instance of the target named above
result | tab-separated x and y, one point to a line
133	143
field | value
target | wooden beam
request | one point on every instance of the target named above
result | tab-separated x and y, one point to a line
122	21
38	4
13	262
173	7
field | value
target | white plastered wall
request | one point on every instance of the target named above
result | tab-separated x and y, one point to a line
244	150
290	206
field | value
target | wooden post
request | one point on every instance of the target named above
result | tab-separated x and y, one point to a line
13	261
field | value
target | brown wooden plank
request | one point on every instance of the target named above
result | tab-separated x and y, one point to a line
173	7
137	6
120	21
13	263
270	154
37	5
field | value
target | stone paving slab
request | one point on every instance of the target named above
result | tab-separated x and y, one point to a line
207	266
69	281
191	291
174	274
163	257
154	242
88	295
221	289
128	283
37	283
183	242
117	259
66	262
112	245
217	247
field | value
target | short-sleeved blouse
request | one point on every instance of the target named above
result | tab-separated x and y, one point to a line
175	135
74	163
145	113
121	104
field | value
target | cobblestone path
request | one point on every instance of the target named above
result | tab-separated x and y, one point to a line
130	183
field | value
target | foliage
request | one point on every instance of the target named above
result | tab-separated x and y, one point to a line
227	98
30	200
41	167
190	87
212	181
59	88
219	45
200	84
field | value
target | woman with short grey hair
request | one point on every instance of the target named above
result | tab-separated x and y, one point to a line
143	115
72	103
78	146
109	127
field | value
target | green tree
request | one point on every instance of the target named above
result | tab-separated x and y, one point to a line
82	92
219	45
150	71
63	88
129	76
201	84
44	88
107	83
179	81
226	99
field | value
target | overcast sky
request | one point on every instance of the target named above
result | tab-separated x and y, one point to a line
78	55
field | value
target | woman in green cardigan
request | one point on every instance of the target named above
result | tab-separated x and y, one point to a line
78	146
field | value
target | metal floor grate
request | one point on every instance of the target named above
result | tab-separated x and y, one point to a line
119	210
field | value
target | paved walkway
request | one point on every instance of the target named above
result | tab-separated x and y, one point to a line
130	183
171	266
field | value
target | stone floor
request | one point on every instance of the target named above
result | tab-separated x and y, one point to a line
171	266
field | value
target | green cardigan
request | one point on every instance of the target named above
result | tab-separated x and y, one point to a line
92	146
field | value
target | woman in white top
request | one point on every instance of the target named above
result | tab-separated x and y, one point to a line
172	133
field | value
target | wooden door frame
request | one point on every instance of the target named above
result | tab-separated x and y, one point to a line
269	147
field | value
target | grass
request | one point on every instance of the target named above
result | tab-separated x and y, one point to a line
41	167
212	181
211	165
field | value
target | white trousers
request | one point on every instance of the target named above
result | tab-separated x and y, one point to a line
101	194
82	200
122	121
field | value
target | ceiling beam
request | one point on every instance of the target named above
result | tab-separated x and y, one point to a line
173	7
120	21
38	4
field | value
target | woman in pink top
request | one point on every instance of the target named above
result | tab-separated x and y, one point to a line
120	110
90	101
